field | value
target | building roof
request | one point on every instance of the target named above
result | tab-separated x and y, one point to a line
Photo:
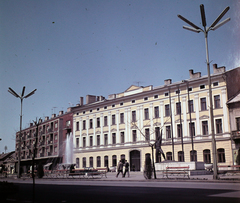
234	99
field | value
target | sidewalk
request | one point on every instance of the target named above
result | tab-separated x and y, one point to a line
138	176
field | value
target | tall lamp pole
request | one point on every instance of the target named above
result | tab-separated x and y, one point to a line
197	29
21	96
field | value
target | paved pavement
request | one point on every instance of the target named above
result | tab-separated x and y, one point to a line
137	176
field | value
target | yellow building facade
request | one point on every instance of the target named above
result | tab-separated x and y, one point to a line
124	125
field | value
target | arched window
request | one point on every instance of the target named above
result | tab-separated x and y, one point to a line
169	155
180	156
193	155
206	156
84	162
77	162
221	155
114	160
90	161
105	161
98	161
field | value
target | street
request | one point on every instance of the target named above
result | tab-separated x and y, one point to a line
124	191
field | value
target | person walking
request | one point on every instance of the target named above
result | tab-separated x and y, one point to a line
126	168
120	168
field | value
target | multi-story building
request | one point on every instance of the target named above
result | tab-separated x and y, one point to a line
123	125
51	136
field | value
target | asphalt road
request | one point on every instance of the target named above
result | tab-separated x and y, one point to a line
124	192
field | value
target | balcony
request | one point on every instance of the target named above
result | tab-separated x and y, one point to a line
50	130
50	153
236	134
41	154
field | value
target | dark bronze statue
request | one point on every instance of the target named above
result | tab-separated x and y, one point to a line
158	148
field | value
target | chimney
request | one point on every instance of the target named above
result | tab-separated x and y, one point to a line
112	96
90	99
217	69
31	124
60	113
81	101
168	82
46	118
194	75
53	115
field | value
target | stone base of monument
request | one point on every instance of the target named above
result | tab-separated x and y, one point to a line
192	165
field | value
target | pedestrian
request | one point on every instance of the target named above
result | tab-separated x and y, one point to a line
126	168
120	168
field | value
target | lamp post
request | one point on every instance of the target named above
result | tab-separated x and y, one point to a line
197	29
10	90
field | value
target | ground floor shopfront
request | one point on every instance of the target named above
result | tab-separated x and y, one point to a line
135	154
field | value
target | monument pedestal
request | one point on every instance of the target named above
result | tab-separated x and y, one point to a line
192	165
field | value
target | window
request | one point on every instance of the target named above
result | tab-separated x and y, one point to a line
97	109
202	87
134	135
90	123
90	110
105	120
114	138
238	123
122	137
105	107
215	84
168	131
84	141
98	161
91	141
77	162
98	140
68	123
77	126
106	139
145	98
192	129
189	89
106	161
121	104
114	160
206	156
180	156
84	125
178	91
217	101
146	114
147	134
167	110
121	117
169	155
155	96
190	106
178	108
77	142
113	105
84	162
205	127
134	116
193	155
203	104
166	94
113	120
98	122
221	155
156	112
219	125
133	101
179	130
90	161
56	125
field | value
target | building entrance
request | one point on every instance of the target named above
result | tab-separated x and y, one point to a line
135	160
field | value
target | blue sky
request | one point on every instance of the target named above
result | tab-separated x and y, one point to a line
71	48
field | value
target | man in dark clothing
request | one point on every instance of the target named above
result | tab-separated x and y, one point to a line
120	168
126	168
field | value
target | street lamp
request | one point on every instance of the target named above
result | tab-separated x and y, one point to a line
197	29
11	91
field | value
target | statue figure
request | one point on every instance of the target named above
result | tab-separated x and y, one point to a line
158	148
